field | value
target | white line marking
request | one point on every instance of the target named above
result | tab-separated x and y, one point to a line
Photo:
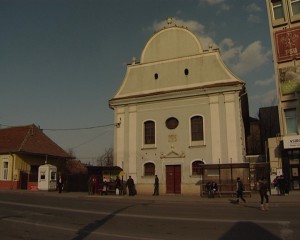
146	216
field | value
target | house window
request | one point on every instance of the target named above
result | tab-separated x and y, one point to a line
291	120
149	169
295	5
5	170
149	130
277	9
197	128
197	167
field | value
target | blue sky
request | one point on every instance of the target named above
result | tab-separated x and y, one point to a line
62	60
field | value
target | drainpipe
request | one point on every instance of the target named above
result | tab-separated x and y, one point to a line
12	171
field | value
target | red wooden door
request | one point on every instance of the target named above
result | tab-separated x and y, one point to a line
173	178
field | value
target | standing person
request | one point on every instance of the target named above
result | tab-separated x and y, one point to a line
281	184
263	192
130	185
60	184
104	187
118	185
156	186
276	185
239	190
90	185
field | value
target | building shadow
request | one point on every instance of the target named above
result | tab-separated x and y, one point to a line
248	231
91	227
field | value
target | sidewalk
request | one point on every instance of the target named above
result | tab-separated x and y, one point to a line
293	197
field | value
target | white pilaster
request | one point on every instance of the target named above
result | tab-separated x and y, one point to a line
132	126
231	127
215	128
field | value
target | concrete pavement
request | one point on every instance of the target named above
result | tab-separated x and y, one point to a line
293	197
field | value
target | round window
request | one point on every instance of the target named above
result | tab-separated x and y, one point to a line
172	123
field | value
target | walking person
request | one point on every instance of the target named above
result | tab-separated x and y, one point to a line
131	187
263	192
239	190
156	186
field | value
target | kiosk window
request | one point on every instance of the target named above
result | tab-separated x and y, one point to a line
53	175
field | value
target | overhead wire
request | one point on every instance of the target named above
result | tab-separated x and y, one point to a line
67	129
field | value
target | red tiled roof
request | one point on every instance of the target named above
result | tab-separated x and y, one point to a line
29	139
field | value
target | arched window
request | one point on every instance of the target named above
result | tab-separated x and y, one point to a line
149	132
197	128
197	167
149	169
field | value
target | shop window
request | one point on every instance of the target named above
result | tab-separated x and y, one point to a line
291	120
149	132
295	6
278	12
197	168
197	128
149	169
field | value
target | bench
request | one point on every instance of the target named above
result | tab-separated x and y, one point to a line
110	189
226	193
223	190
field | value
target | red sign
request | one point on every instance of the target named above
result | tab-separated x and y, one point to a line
287	43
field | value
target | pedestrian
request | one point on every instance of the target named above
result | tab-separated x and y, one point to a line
239	190
281	183
104	187
118	185
209	190
94	185
131	187
156	186
276	185
214	187
263	192
90	185
60	184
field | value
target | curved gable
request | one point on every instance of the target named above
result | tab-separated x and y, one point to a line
170	43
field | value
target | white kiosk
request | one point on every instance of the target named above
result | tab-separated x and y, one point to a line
47	177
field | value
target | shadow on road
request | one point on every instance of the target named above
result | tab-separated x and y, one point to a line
91	227
248	231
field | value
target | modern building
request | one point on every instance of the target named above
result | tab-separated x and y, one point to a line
284	22
22	150
179	109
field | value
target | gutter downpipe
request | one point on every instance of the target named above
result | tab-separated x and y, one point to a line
12	171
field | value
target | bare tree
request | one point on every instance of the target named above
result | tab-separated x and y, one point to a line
107	158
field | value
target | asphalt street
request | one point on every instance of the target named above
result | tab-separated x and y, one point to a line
49	215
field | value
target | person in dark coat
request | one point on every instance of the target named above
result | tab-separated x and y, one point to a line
60	184
239	190
131	187
156	186
118	186
263	192
90	185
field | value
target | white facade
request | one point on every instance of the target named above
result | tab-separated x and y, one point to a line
177	79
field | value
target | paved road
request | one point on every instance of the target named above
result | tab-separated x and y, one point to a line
44	215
